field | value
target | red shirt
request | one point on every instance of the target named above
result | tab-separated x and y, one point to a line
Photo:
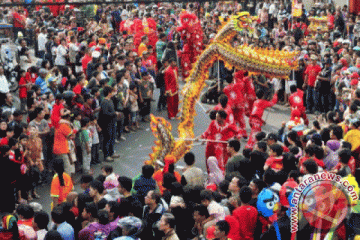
275	163
247	217
23	89
296	99
4	141
19	20
234	233
351	165
260	105
312	72
229	112
55	115
77	89
86	59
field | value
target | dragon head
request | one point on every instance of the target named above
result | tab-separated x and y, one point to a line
242	21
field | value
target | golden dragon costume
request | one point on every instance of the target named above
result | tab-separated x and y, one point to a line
263	61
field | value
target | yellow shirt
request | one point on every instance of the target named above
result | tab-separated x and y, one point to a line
353	137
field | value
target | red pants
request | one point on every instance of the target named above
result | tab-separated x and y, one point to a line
172	105
255	125
239	118
221	154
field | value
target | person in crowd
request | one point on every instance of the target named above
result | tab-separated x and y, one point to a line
192	176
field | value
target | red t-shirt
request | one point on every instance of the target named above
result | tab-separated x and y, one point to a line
312	72
247	217
55	115
77	89
18	20
275	163
23	89
234	233
4	141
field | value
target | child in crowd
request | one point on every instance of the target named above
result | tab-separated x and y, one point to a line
86	143
94	130
134	108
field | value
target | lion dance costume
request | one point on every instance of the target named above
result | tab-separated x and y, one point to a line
192	35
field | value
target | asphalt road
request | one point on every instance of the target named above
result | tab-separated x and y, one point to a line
137	147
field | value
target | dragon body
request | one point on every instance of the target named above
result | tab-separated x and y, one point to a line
272	63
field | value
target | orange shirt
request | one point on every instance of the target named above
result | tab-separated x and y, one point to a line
61	145
141	49
61	191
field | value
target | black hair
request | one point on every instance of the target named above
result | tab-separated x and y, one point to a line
41	219
269	176
289	162
260	136
345	156
346	145
338	132
235	144
202	210
247	152
319	152
58	166
224	186
189	158
245	194
103	217
147	171
84	121
125	182
107	90
53	235
86	179
223	100
168	179
311	166
293	88
108	169
222	114
97	185
177	189
260	184
294	174
277	148
25	210
212	114
223	226
206	195
262	146
260	93
57	214
316	124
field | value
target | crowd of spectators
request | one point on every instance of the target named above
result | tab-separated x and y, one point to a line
89	85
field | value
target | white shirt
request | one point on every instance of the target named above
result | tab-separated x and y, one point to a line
60	56
42	41
41	234
4	85
73	50
272	9
216	210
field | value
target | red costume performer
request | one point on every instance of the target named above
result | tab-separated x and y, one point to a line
220	130
230	116
192	35
255	119
171	89
296	102
241	96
